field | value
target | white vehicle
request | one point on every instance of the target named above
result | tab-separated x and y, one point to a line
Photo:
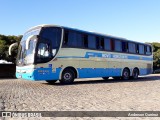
51	53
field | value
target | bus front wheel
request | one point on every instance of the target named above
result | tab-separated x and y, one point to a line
67	76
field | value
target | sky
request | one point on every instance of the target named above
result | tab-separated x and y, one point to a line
137	20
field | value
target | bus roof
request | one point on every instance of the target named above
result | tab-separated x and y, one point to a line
87	32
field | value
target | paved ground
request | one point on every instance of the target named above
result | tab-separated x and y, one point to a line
84	95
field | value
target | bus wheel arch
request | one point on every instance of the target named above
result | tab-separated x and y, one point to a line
126	73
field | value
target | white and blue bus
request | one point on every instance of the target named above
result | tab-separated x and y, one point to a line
51	53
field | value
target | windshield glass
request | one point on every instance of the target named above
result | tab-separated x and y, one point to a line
41	49
48	44
27	56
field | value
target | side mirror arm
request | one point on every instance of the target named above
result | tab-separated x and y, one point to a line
29	39
11	46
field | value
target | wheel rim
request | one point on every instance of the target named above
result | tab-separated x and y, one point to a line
126	74
67	76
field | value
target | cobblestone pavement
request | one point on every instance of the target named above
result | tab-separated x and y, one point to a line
84	95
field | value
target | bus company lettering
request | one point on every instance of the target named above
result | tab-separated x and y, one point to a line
114	56
120	56
106	55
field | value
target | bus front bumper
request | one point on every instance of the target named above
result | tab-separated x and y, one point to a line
38	74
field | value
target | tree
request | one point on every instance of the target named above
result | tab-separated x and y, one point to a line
5	42
2	49
156	55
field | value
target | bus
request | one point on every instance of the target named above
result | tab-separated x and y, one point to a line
53	52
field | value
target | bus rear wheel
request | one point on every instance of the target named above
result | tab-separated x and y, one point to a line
126	74
67	77
135	73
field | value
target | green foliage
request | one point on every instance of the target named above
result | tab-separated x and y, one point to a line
5	42
156	55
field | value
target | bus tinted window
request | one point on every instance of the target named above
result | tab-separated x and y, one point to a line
148	50
79	38
65	41
85	39
100	43
141	49
91	42
124	47
132	47
97	43
74	39
137	48
107	44
53	35
101	47
118	46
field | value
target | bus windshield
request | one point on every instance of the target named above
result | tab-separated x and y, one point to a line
41	49
48	44
27	56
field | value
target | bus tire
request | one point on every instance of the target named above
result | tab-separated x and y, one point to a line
105	78
126	74
135	73
51	81
67	77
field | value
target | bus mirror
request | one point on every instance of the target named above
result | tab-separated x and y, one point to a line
10	47
29	39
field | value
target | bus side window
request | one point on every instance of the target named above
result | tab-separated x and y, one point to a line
148	50
124	47
100	43
137	48
132	47
112	44
141	49
107	44
85	38
101	47
72	39
75	39
65	41
97	43
79	40
118	45
91	42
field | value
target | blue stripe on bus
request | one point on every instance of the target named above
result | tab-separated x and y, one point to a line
106	55
82	72
98	72
70	57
